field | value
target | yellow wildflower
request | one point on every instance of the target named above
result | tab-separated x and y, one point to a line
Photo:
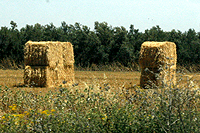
26	113
44	112
3	117
105	117
53	110
14	108
18	115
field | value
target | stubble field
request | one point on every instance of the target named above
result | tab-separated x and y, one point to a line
14	79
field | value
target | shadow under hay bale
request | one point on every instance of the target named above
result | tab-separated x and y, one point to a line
158	64
48	64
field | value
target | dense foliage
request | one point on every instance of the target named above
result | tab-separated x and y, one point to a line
103	45
104	109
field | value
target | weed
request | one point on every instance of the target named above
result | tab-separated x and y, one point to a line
99	109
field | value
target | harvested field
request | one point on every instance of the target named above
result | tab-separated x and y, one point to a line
14	78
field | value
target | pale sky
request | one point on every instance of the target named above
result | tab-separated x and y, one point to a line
143	14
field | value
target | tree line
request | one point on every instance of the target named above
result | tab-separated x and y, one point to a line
102	45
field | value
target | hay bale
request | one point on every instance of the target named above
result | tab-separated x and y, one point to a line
45	76
68	54
43	54
48	64
158	64
68	57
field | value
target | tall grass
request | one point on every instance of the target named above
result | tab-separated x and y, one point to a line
9	63
101	108
116	66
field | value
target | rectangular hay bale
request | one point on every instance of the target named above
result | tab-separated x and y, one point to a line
43	54
48	64
158	64
45	76
68	54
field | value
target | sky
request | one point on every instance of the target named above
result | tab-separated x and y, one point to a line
143	14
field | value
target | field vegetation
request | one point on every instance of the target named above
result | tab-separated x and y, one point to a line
99	101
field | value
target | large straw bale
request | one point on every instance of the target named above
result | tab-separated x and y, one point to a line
43	54
68	54
158	64
68	58
48	64
45	76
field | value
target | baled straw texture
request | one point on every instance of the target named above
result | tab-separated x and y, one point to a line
68	54
43	54
48	64
158	64
68	58
45	76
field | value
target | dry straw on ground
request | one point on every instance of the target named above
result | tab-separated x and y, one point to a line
158	64
48	64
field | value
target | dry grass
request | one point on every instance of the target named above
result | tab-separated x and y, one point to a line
14	79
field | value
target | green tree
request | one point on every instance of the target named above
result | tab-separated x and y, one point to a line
154	34
50	33
135	39
4	41
188	47
105	34
104	45
121	49
33	33
10	43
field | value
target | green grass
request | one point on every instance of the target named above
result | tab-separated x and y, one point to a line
101	109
